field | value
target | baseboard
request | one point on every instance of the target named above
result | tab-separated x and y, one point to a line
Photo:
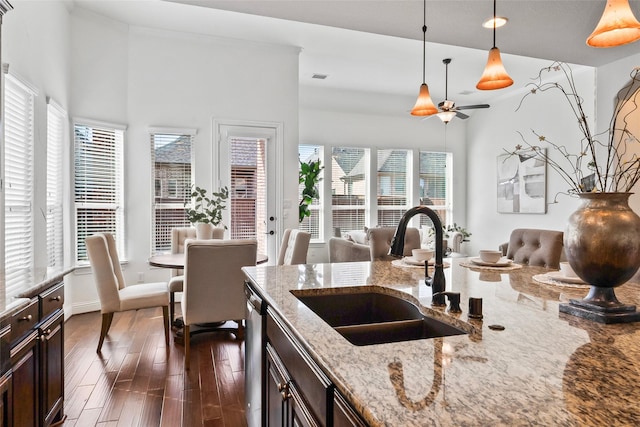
79	308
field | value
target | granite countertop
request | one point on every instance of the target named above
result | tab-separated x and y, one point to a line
42	279
544	368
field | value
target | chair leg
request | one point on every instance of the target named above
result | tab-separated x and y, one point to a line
165	317
106	324
172	306
240	334
187	347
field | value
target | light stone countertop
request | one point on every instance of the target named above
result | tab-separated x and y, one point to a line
545	368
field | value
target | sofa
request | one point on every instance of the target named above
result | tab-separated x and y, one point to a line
370	244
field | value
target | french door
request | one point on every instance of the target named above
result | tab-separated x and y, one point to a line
246	163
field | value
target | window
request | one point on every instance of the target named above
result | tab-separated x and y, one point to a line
56	137
403	179
393	195
171	157
434	185
349	168
313	223
98	176
18	174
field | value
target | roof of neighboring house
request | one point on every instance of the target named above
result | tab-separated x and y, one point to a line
176	152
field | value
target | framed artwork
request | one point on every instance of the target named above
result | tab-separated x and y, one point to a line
522	182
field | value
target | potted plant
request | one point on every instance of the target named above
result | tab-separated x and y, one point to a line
308	176
205	212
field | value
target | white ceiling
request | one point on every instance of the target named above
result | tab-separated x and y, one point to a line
376	46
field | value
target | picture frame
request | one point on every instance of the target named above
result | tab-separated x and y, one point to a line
522	182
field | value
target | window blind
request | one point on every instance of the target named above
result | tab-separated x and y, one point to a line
56	135
392	186
313	223
172	163
247	192
349	187
18	174
98	175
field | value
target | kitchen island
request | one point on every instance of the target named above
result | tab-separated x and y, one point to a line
543	368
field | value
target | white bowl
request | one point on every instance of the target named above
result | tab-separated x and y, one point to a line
422	254
490	256
566	270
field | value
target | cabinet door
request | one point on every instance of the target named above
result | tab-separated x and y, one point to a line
5	400
343	413
299	413
24	361
52	368
276	384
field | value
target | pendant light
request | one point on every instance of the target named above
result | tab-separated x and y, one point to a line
494	75
617	26
424	105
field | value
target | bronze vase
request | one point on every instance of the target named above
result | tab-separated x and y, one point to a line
602	244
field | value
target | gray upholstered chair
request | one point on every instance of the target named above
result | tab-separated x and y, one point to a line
214	284
114	294
530	246
178	237
344	250
380	241
294	248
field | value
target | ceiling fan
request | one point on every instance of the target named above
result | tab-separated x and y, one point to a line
448	108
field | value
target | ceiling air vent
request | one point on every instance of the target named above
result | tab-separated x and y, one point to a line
319	76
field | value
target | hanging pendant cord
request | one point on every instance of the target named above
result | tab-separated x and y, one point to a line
494	23
424	43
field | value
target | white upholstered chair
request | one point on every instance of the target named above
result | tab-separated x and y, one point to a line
530	246
214	284
295	244
178	237
114	294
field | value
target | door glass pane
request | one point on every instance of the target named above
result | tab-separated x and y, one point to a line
247	191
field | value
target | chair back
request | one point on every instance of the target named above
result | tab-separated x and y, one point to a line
343	250
105	265
213	279
295	244
541	248
380	241
180	234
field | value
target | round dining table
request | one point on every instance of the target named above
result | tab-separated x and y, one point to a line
177	260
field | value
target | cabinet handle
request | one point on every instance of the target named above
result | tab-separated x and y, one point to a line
56	298
26	318
286	395
42	337
282	387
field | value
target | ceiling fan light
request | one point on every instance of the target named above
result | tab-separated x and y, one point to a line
617	26
446	116
424	105
494	76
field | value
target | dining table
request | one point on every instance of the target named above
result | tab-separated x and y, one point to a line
176	261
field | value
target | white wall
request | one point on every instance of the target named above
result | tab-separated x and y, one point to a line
494	130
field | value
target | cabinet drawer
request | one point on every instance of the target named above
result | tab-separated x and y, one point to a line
310	381
51	300
24	321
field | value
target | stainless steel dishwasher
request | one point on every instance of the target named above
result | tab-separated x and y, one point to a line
254	360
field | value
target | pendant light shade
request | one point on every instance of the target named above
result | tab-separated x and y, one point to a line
494	76
617	26
424	105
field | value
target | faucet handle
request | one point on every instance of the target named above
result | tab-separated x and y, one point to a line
454	300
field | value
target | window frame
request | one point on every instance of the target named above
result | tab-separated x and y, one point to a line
57	140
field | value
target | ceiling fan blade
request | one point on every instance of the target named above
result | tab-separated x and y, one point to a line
461	115
472	107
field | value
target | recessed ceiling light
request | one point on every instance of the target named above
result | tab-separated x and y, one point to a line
319	76
500	21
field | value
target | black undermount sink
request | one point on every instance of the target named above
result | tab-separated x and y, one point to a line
366	318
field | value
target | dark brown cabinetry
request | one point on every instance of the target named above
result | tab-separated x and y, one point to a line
37	360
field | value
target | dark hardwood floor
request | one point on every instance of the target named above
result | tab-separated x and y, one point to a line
137	381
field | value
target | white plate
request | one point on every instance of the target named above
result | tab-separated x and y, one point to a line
502	262
412	261
557	275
